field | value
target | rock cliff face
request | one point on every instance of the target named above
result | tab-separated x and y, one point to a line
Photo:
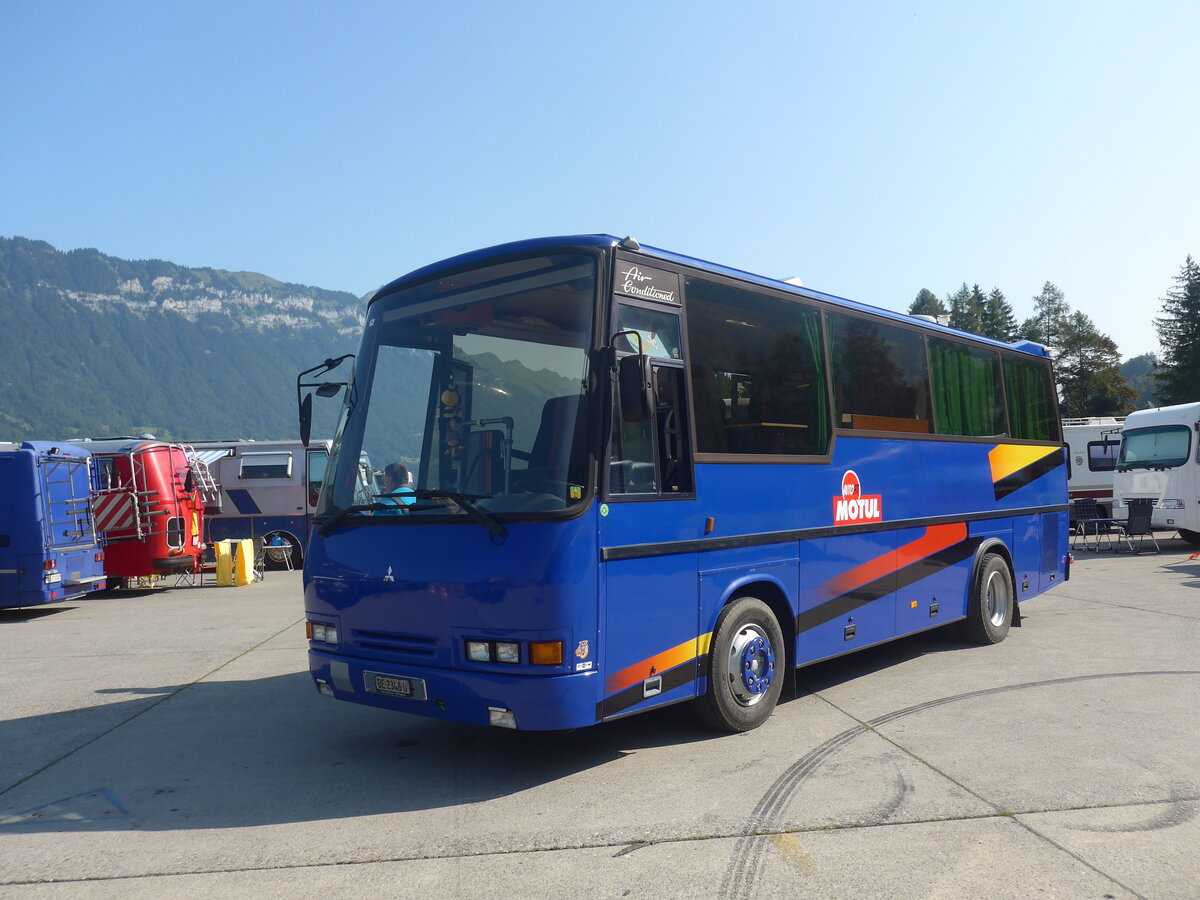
102	283
192	299
96	345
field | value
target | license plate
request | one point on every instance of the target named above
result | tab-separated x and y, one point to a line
396	686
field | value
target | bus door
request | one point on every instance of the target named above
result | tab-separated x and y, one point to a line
318	462
649	579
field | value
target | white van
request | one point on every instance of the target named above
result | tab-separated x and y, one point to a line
1160	461
1092	446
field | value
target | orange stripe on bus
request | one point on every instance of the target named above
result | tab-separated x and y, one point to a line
935	538
657	664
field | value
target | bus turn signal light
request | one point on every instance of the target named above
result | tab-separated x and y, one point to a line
546	653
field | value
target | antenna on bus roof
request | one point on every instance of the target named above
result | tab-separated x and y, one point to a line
795	279
629	242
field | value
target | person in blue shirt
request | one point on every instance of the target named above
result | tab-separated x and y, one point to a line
397	492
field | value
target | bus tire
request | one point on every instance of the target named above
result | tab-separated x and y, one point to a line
296	553
1192	537
746	664
991	603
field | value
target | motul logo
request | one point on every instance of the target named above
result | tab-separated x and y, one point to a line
852	508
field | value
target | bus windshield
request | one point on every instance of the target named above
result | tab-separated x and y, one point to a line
1164	447
475	385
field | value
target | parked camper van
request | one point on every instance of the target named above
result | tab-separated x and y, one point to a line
149	506
1160	461
265	490
48	546
1092	445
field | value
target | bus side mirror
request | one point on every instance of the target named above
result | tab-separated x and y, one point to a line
324	389
305	418
635	379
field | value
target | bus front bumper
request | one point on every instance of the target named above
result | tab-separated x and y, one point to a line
528	703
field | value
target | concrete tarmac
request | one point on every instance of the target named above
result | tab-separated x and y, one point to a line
170	743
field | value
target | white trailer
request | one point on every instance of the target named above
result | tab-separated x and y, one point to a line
1092	446
1160	461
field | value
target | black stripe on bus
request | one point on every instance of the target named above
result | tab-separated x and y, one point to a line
1030	473
682	674
809	619
764	538
844	604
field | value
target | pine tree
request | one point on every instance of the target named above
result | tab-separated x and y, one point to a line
927	304
1178	377
976	310
1050	317
959	304
999	322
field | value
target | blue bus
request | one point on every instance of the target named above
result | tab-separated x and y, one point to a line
642	479
48	546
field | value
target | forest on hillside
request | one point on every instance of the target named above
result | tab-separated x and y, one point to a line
92	349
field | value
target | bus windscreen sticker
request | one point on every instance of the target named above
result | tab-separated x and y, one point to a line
647	283
852	508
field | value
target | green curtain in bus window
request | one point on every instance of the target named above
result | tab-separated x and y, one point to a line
967	397
1031	409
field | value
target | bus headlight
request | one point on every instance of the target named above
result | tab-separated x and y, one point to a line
1171	504
508	652
494	651
321	633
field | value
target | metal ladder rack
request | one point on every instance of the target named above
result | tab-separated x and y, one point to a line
202	480
75	510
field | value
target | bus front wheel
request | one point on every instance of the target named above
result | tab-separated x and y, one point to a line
1192	537
746	665
990	606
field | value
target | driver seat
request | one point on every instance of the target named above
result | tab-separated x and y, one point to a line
551	454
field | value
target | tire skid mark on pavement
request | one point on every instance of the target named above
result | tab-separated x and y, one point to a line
1182	806
765	818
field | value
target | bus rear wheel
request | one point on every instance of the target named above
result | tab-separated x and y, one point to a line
990	606
746	665
282	551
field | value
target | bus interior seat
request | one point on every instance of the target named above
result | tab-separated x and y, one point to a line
551	454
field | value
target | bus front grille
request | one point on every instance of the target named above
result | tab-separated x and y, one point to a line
395	642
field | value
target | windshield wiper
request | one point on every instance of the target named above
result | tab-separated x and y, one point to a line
327	525
482	516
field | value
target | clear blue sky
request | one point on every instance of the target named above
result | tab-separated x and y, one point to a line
873	149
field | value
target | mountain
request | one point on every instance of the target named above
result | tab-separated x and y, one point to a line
96	346
1139	372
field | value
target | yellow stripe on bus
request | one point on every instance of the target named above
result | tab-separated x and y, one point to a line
1005	459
